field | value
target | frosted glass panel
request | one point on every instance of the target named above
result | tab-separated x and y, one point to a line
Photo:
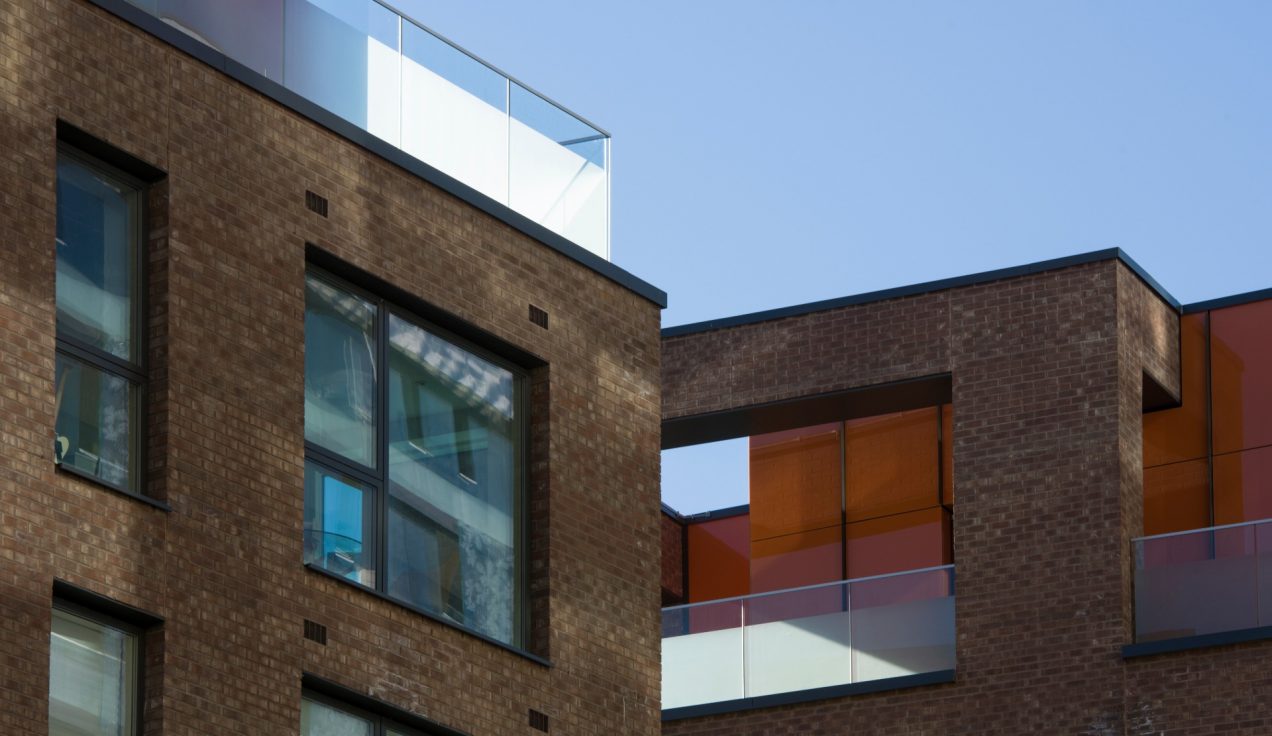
454	112
1196	583
343	55
557	170
411	88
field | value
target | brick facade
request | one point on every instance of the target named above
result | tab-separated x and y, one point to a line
1047	373
227	256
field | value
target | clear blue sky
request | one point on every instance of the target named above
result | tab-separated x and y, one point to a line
768	154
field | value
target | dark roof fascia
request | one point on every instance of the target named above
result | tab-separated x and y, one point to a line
927	287
383	149
702	516
1228	301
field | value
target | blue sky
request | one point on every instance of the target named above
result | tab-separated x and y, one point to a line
768	154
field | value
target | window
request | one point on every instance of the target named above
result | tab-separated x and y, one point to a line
414	457
321	716
93	677
99	373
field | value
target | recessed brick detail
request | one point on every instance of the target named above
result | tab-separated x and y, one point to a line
227	257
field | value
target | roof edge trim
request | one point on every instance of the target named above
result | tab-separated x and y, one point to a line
1107	254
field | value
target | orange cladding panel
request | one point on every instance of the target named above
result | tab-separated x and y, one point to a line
1241	363
1176	497
891	463
794	560
1173	435
896	543
719	558
947	454
1243	486
795	481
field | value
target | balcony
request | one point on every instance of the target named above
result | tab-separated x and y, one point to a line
408	86
1203	582
840	633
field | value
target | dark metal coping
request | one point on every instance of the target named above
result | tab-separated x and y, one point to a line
924	288
804	696
1184	643
1228	301
387	151
374	705
701	516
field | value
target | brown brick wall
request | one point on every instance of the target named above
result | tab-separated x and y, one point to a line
673	561
1046	373
223	569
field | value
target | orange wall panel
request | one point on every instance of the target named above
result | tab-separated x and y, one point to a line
790	561
1243	486
796	481
1177	497
901	542
891	463
1241	361
1174	435
947	454
719	558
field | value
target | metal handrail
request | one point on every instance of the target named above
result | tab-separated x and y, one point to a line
388	5
1256	522
802	588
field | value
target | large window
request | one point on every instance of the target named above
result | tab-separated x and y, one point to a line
99	374
93	677
413	474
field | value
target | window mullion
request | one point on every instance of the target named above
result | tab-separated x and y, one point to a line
382	446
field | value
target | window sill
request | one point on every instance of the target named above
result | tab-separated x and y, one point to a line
1184	643
156	503
806	696
431	616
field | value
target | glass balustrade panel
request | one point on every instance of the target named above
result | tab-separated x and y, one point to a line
702	650
558	170
902	624
1196	583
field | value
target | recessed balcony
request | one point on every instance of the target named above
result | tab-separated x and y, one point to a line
1203	582
841	633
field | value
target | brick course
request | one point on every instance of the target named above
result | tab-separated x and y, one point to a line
227	257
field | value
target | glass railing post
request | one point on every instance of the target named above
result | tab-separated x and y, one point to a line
746	685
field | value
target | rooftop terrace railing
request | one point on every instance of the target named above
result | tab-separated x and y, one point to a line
402	83
1204	581
805	638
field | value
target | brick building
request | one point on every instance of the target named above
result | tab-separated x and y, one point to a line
1087	458
321	405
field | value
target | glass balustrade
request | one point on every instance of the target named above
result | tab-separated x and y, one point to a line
406	85
1203	581
805	638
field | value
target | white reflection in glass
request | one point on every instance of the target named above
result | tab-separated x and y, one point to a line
92	678
339	371
452	446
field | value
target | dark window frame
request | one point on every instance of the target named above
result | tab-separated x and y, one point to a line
132	371
381	715
376	480
82	604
